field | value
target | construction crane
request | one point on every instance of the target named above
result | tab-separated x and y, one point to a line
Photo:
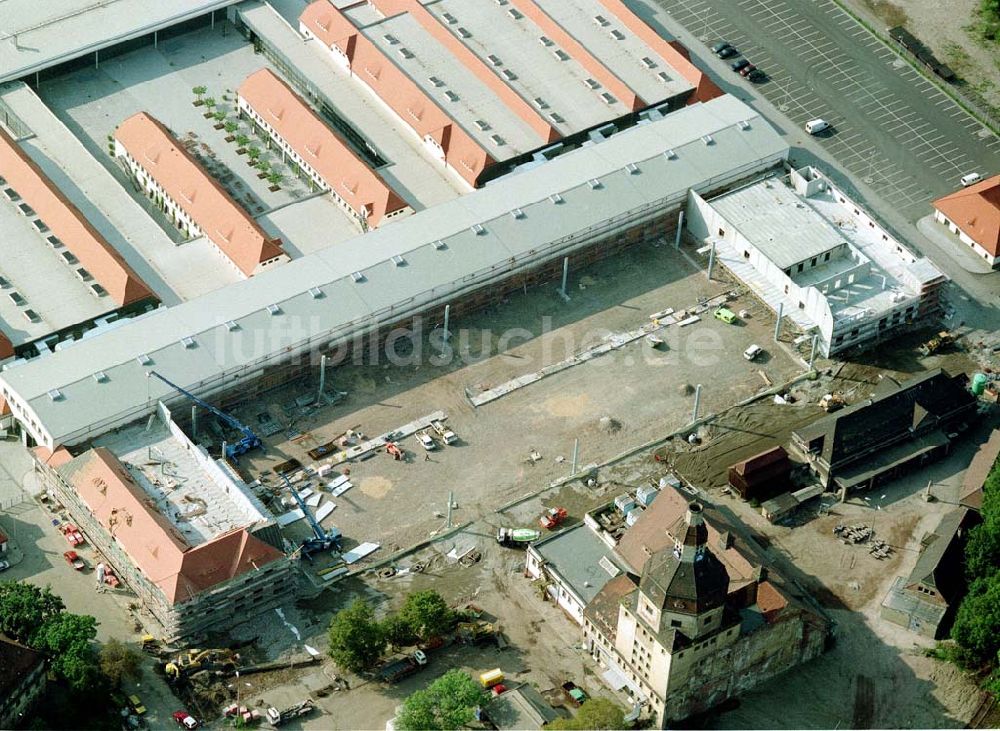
322	540
248	441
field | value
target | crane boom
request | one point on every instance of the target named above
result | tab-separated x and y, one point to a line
249	439
323	540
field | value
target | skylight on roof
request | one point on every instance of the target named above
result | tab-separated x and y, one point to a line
273	309
357	276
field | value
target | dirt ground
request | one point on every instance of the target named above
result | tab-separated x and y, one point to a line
610	404
944	28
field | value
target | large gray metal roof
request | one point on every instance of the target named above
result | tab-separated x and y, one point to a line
36	35
442	257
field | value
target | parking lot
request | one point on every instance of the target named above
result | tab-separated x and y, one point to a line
891	127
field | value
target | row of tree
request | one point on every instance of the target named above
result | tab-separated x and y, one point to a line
977	624
358	640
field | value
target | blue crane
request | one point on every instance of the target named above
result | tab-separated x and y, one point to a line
322	540
248	441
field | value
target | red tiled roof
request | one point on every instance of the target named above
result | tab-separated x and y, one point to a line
395	88
225	223
350	178
66	222
6	347
156	547
770	600
976	211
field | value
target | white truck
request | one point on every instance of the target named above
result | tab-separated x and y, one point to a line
446	434
277	718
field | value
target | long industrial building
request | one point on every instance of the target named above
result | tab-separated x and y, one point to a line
191	197
467	252
271	106
57	273
481	82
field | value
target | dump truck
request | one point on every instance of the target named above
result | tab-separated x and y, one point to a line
832	402
396	670
277	718
517	537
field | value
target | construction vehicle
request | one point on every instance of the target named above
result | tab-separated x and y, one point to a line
446	434
942	340
74	560
393	449
832	402
322	540
400	668
517	537
248	441
477	632
552	518
193	661
277	718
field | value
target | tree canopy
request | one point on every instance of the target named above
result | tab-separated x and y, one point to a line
595	713
24	608
67	639
427	614
449	702
356	637
120	662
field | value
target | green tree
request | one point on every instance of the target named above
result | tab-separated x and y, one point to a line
67	639
264	166
231	126
220	116
253	153
356	639
397	631
199	91
120	662
210	102
449	702
427	613
275	178
595	713
24	608
242	140
977	622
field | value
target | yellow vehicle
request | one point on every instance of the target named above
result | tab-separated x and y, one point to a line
726	315
194	660
136	703
491	678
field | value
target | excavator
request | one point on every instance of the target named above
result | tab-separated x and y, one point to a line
194	661
942	340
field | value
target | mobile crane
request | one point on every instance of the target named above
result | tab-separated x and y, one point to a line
248	441
322	540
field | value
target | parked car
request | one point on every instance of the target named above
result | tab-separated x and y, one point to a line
726	315
756	75
747	70
136	703
727	52
4	565
815	126
427	441
185	720
74	560
720	45
739	65
753	352
970	179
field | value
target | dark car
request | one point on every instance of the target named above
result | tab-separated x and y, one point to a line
747	70
720	45
739	65
727	52
756	75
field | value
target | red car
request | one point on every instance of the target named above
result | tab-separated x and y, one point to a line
74	560
186	720
552	517
73	535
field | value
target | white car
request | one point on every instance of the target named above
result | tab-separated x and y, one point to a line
4	565
426	441
752	352
970	179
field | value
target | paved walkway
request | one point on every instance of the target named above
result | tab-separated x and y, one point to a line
951	246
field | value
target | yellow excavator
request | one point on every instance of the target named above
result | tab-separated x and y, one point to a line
942	340
193	661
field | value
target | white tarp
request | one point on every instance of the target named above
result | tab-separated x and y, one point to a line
290	517
324	511
359	552
341	488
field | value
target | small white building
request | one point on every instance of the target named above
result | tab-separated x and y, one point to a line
807	249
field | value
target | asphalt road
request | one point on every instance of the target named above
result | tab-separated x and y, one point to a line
891	128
